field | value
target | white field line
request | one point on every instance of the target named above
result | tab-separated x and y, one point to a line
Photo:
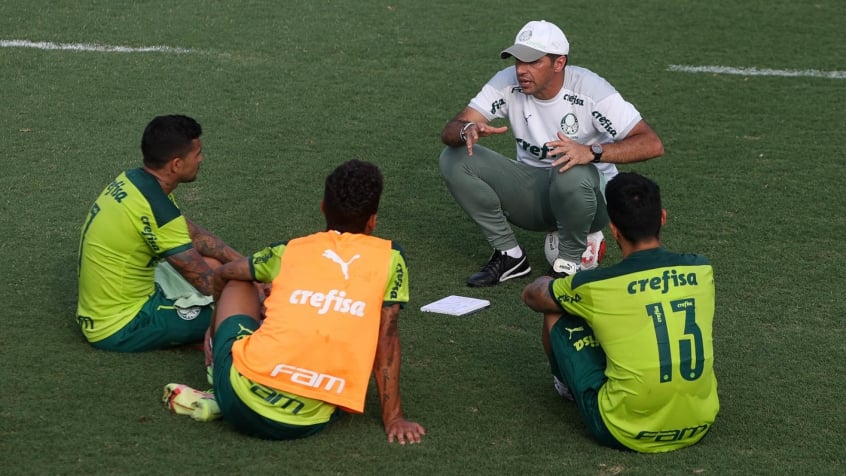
46	45
788	73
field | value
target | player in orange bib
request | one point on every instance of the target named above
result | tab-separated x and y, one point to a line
330	321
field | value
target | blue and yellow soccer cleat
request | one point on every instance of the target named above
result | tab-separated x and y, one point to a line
184	400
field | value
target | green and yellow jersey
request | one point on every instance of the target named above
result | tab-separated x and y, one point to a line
130	227
652	314
284	406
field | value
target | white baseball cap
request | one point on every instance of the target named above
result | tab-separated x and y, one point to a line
535	40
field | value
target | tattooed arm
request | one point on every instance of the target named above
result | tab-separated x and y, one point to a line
195	269
209	245
197	264
238	270
386	370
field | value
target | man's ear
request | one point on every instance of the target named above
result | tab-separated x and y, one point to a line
371	224
175	164
322	207
663	216
560	62
615	232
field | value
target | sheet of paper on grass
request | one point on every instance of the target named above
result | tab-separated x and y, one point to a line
456	305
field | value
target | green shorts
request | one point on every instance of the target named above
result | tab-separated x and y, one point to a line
579	362
236	412
158	325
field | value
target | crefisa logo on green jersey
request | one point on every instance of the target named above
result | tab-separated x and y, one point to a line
564	298
400	275
115	190
148	233
670	278
263	258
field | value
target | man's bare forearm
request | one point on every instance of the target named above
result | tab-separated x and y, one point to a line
387	366
191	265
209	245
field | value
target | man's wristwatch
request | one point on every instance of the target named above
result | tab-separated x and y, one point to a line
462	134
597	152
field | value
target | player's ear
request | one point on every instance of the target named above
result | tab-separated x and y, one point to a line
322	207
175	164
371	224
663	216
615	232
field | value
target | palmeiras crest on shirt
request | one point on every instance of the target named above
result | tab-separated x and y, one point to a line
570	124
188	313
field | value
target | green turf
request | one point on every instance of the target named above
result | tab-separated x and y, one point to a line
752	177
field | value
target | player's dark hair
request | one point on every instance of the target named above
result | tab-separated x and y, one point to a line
634	206
351	196
166	137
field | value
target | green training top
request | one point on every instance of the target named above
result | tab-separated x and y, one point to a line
130	227
652	314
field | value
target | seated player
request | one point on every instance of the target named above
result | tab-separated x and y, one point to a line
145	270
330	321
632	343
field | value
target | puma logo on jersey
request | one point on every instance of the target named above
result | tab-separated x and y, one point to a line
575	329
345	265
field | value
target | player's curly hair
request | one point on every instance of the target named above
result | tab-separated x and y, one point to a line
634	206
351	196
166	137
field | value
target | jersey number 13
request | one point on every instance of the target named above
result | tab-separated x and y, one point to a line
691	355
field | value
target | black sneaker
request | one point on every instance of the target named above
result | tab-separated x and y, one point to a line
500	267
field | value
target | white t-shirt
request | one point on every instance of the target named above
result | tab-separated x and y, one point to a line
588	110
